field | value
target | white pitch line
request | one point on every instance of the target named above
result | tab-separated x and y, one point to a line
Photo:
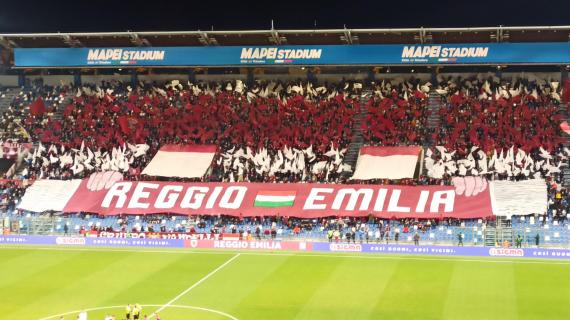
372	256
169	303
229	316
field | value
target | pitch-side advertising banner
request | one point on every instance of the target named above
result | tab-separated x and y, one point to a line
156	235
266	245
250	245
483	53
295	200
442	250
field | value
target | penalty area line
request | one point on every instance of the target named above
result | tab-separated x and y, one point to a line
169	303
226	315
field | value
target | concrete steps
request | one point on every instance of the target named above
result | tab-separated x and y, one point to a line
58	113
6	100
351	156
563	110
433	121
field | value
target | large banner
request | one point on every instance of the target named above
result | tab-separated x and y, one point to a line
486	53
511	198
48	195
172	161
293	199
386	163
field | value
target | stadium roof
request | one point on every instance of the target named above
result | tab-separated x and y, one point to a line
289	37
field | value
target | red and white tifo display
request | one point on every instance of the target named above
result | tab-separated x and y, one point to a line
256	199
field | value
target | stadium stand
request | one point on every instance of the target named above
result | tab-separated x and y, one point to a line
262	133
494	115
156	116
397	115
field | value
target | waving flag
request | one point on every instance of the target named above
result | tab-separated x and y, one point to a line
564	126
386	163
38	108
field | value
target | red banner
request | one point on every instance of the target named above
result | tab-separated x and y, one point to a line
285	199
157	235
250	245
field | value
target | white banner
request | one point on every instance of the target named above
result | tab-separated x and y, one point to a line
511	198
48	195
386	163
181	161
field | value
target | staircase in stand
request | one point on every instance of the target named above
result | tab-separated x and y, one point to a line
58	112
565	139
566	175
433	120
357	141
42	225
500	233
563	111
490	237
6	98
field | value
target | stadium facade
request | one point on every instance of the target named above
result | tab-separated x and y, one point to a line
358	55
325	55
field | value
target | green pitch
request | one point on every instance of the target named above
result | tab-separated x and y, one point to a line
42	283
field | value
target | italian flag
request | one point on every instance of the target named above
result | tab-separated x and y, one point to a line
272	199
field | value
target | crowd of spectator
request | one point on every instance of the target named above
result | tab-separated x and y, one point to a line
397	115
369	229
493	115
291	132
267	116
511	164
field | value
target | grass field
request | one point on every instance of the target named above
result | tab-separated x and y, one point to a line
42	283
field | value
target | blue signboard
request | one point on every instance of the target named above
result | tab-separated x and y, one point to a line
470	54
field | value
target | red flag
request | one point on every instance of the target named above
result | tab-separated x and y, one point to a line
566	91
565	127
37	108
124	124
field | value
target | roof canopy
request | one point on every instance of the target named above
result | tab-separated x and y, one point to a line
288	37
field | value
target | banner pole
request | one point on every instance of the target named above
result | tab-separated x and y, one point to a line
421	163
